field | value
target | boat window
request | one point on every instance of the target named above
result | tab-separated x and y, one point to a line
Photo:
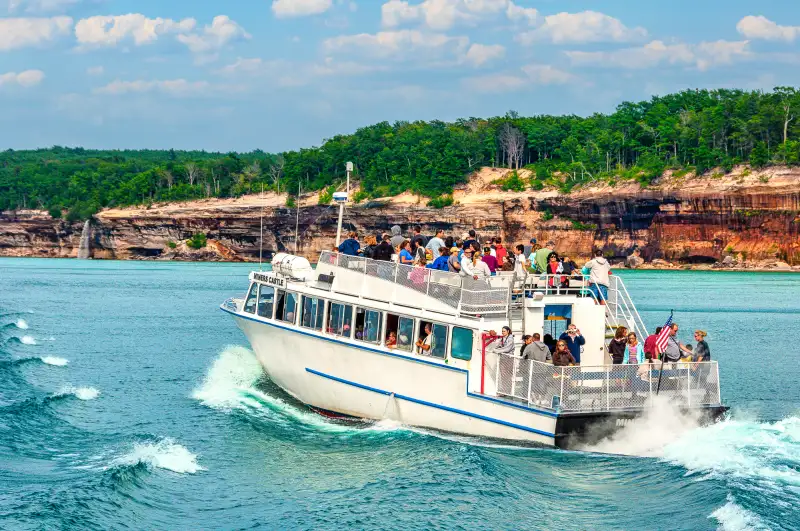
250	301
368	325
266	296
461	345
286	306
403	330
312	312
340	319
432	339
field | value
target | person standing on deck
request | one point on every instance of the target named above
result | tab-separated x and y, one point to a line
520	263
397	236
504	348
453	264
350	246
542	256
650	346
536	350
500	251
384	251
467	268
436	243
574	340
599	271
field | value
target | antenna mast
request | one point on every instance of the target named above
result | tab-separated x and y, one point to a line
341	205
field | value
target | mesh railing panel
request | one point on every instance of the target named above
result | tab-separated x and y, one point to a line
479	297
602	388
415	278
381	270
353	263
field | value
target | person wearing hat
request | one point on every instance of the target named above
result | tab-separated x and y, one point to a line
453	264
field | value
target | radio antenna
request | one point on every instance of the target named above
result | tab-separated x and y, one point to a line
261	230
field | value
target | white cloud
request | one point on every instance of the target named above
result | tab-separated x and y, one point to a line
586	26
703	55
439	14
763	28
171	86
547	75
215	36
95	70
479	54
522	14
28	78
243	66
494	83
300	8
397	44
110	30
22	32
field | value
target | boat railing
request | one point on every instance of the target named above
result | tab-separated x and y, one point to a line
601	388
463	295
620	308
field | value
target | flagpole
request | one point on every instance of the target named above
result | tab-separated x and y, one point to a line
661	372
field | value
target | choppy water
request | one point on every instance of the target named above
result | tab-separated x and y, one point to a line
129	400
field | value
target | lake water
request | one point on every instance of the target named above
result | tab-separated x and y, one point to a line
129	400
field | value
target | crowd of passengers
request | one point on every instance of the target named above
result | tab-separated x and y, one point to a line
624	349
466	256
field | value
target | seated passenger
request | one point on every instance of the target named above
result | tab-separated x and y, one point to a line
425	341
391	340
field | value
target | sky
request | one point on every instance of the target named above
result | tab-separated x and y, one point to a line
284	74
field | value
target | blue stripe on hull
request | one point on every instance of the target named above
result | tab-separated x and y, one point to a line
430	404
400	356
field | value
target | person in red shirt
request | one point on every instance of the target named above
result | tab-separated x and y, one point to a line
499	251
650	344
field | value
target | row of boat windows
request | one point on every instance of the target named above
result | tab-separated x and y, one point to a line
362	324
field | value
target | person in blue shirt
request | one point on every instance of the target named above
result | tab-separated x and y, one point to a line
574	340
405	253
350	246
440	263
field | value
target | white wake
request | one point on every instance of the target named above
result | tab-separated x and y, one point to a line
165	454
81	393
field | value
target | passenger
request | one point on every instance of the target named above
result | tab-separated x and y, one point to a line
406	257
569	266
504	348
554	268
526	340
417	248
672	352
520	263
371	246
617	346
467	267
542	257
384	251
425	342
441	263
449	242
418	237
634	351
650	344
550	342
701	351
469	240
536	350
599	271
562	357
574	340
350	246
528	249
480	267
500	251
397	236
453	264
436	244
489	260
391	340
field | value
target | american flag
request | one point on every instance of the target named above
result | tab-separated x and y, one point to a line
663	337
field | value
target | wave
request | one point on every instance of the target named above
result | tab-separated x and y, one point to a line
28	340
733	517
81	393
165	454
21	324
54	360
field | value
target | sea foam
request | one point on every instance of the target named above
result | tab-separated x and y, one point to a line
733	517
21	324
54	360
28	340
165	454
81	393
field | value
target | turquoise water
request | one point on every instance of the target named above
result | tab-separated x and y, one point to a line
129	400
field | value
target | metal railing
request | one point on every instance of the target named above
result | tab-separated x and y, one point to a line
620	306
601	388
464	295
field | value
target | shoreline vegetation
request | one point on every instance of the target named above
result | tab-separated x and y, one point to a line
695	132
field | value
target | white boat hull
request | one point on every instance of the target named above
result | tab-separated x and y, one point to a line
351	378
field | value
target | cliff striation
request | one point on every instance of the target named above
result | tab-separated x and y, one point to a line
753	217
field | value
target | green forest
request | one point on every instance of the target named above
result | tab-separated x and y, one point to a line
692	131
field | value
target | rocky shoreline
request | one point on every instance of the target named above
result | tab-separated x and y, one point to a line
745	221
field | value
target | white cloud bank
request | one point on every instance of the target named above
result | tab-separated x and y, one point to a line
444	14
111	30
219	33
24	32
761	27
703	55
28	78
171	86
586	26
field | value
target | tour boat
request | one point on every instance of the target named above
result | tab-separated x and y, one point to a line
321	335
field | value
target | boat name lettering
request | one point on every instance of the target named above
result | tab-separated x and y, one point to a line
624	422
272	281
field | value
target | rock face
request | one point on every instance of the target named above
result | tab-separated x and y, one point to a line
755	217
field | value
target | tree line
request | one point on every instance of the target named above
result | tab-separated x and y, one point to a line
694	130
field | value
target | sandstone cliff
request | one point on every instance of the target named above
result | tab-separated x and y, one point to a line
753	216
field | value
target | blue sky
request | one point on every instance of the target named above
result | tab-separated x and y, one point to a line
284	74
